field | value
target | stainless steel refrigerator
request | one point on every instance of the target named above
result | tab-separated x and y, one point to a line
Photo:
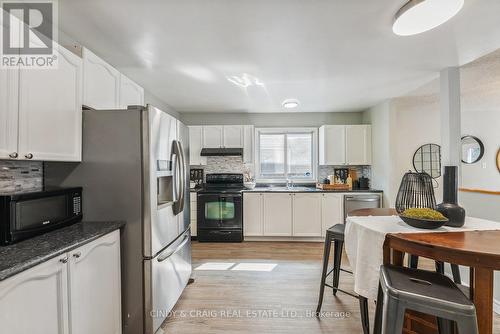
135	168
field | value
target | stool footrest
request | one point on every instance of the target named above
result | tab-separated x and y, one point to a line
343	291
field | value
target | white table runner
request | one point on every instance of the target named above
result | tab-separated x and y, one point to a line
364	240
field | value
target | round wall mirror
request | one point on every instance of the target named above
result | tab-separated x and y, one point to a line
472	149
498	160
427	159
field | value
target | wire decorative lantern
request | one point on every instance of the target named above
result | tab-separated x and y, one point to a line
416	191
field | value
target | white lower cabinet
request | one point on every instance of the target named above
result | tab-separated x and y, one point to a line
277	214
95	291
36	300
194	214
76	292
291	214
307	215
252	214
332	211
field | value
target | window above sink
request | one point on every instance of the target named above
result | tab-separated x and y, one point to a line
286	153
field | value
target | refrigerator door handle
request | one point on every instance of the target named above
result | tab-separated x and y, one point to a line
175	172
183	176
163	257
178	172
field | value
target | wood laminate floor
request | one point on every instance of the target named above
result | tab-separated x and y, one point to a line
279	301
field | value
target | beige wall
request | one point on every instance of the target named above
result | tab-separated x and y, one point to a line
405	123
272	119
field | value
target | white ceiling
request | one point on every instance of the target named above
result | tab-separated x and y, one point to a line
332	55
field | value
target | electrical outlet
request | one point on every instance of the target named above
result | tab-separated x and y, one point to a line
484	165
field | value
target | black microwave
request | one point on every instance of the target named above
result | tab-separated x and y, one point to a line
25	215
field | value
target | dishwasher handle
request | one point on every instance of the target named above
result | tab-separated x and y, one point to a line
357	199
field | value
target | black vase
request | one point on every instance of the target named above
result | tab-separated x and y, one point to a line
450	208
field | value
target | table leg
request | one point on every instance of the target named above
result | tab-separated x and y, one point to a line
397	258
483	299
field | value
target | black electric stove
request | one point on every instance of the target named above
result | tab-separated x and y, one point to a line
220	208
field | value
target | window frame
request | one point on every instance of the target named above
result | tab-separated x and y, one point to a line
286	131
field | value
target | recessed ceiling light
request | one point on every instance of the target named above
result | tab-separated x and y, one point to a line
418	16
290	103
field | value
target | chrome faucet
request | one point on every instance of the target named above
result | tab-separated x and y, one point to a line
289	183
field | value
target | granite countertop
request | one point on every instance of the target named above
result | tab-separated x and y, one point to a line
299	189
28	253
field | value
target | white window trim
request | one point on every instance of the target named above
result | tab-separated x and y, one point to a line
314	132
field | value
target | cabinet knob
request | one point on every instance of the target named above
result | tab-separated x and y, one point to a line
13	155
77	255
29	156
64	260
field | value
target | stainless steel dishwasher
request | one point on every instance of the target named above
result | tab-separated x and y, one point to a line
362	201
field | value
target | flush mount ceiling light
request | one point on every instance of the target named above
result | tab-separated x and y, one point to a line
290	103
418	16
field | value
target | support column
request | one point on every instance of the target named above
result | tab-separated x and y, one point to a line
450	117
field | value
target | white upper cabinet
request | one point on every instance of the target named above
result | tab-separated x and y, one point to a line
307	215
131	94
36	300
345	145
9	83
248	140
50	110
332	145
358	144
213	136
101	83
233	136
195	146
95	303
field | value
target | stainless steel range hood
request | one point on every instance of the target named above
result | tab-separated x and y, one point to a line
221	152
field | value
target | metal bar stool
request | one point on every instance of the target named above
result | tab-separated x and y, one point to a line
335	234
422	291
413	263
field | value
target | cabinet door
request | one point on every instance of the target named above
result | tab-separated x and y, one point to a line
307	215
248	140
358	145
331	210
212	136
278	214
332	148
101	83
233	136
131	94
50	110
95	289
193	217
252	214
36	300
195	146
8	113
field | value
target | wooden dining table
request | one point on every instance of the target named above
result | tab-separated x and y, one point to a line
478	250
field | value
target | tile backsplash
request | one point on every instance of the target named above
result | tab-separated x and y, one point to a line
324	171
236	165
20	176
226	165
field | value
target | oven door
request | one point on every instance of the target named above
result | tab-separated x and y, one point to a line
221	211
